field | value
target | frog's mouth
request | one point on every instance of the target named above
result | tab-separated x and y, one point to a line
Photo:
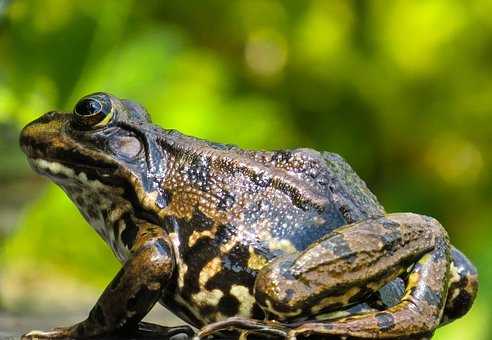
61	171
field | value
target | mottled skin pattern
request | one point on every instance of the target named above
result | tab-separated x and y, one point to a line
285	243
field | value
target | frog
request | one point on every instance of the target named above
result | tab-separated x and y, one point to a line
280	244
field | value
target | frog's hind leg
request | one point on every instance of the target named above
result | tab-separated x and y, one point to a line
463	287
418	313
462	290
351	263
248	328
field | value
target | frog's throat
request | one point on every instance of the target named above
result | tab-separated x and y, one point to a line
93	199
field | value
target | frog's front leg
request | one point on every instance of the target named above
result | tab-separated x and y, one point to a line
131	294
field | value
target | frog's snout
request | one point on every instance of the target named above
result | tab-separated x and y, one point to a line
41	132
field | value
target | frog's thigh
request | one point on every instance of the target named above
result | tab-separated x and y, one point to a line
345	266
420	309
134	290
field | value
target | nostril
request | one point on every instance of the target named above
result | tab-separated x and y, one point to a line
47	117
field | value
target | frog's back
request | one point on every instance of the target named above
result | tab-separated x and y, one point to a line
288	198
329	175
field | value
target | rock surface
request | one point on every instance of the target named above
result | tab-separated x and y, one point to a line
13	326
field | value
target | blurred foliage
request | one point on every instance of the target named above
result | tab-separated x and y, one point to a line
401	89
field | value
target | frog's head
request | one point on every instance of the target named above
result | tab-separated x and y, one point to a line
104	140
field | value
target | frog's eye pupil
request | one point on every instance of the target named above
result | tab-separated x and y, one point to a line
88	107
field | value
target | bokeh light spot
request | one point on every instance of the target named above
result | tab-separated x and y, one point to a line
455	160
266	53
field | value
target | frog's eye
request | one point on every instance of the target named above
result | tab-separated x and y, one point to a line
93	111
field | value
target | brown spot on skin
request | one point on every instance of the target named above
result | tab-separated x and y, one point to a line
390	236
228	305
129	234
257	313
335	301
199	221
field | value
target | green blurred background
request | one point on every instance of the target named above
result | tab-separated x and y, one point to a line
401	89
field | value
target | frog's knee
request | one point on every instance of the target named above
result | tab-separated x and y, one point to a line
278	292
422	225
463	287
